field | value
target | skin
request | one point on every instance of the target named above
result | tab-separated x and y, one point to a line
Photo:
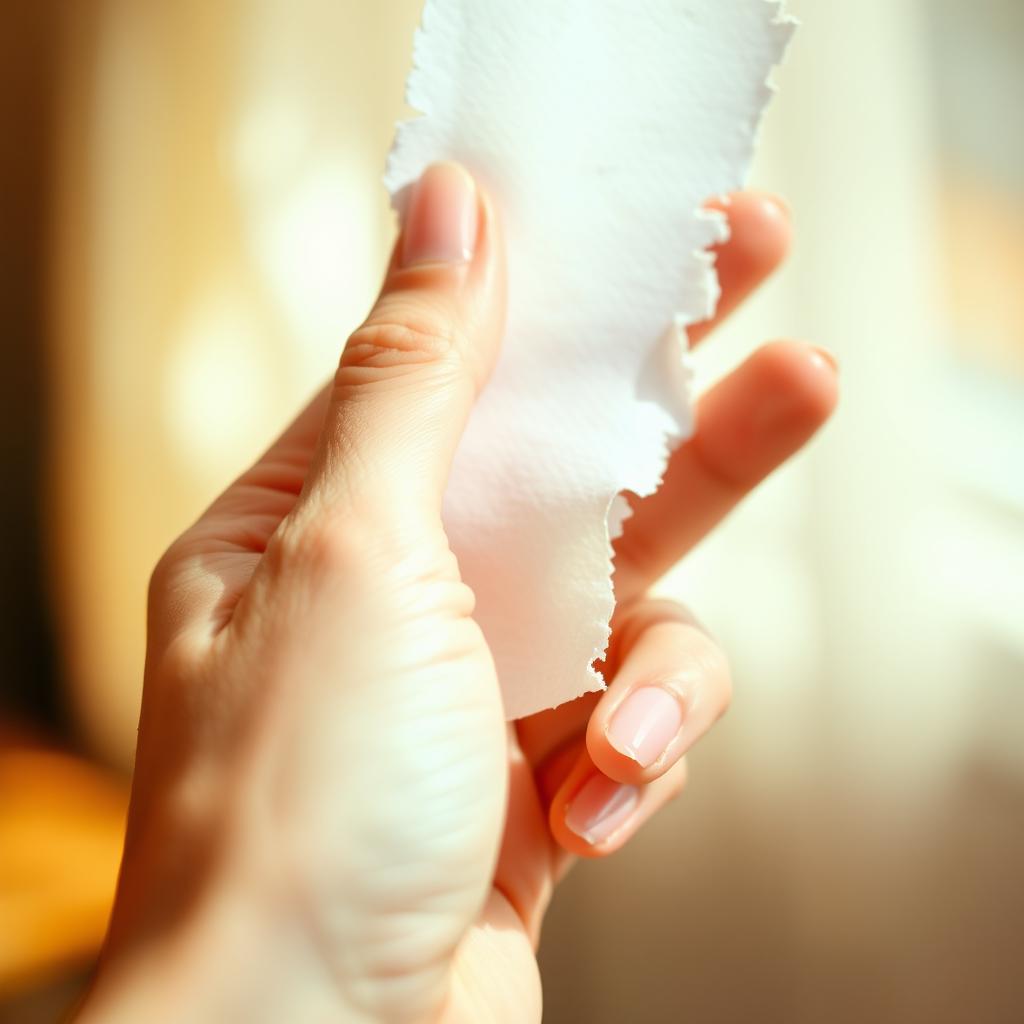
330	818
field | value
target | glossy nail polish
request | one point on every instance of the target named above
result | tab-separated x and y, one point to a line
601	808
645	723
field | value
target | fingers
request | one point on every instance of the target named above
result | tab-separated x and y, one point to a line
759	236
593	815
409	375
747	425
671	685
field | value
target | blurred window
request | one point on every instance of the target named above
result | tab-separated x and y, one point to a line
978	69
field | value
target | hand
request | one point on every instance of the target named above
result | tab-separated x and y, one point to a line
330	818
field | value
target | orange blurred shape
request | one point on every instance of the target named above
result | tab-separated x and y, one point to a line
61	828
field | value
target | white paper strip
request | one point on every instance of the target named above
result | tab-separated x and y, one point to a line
600	127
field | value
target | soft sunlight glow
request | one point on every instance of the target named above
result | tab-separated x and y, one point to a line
219	382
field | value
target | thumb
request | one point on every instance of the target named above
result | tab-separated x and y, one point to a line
409	375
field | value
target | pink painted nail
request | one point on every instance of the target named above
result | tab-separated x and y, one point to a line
441	218
644	724
600	808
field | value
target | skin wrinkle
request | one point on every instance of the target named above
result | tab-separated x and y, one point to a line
343	679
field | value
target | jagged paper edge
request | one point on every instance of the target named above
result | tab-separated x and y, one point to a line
710	290
617	508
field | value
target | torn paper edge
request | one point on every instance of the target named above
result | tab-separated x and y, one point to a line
619	509
676	334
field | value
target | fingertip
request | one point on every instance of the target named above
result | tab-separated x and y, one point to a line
764	412
760	232
441	218
408	376
591	814
633	739
599	814
594	816
805	377
759	239
621	765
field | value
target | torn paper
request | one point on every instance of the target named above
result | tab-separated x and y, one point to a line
600	129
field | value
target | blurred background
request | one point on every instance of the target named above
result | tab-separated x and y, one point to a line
193	221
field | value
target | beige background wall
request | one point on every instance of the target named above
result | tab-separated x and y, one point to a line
850	848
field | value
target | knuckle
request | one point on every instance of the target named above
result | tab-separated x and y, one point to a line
647	615
171	603
162	576
668	610
320	543
394	342
326	546
176	662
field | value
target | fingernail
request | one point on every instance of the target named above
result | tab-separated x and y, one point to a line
600	808
644	724
441	218
828	357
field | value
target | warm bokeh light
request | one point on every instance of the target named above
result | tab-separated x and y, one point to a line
850	846
61	828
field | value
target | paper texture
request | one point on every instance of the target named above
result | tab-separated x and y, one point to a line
600	129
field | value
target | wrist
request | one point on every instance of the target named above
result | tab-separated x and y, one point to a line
199	930
222	958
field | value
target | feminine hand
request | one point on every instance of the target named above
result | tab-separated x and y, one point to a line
330	818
